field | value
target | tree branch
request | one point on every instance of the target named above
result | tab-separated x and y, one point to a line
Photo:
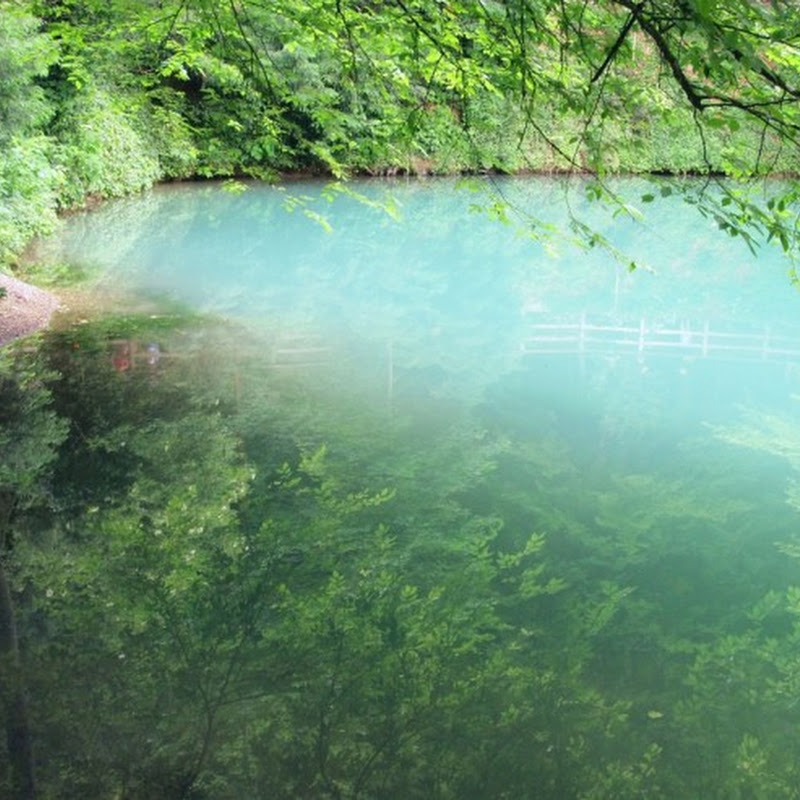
694	97
623	34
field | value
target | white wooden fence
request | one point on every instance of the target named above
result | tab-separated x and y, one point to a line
693	340
582	335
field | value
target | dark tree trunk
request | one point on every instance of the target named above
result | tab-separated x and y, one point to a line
13	700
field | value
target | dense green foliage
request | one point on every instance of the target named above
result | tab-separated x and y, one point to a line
102	98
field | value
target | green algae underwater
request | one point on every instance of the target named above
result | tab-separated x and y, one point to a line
389	500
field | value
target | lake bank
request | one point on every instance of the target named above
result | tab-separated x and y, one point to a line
24	309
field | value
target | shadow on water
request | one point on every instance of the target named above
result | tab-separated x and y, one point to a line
432	531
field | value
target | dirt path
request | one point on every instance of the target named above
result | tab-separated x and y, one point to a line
24	309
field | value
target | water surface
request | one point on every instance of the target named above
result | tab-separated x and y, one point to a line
427	506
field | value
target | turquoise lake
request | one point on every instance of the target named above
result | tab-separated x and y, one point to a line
398	500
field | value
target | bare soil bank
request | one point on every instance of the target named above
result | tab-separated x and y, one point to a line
24	309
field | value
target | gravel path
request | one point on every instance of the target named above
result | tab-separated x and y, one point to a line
24	309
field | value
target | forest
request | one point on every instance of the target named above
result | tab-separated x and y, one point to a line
217	583
100	98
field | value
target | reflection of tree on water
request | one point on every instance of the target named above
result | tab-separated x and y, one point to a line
370	540
248	579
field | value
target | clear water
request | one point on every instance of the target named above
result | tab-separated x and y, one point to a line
423	506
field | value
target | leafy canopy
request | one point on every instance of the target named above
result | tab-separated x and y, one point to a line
145	90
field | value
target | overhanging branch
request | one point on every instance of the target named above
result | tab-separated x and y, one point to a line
623	34
671	60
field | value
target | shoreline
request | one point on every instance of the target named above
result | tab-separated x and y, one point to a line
25	309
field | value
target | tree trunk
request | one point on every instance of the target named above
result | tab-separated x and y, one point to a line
13	700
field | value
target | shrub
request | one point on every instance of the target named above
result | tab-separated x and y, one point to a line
28	188
102	149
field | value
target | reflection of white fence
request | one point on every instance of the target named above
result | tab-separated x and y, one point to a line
647	338
299	350
591	337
